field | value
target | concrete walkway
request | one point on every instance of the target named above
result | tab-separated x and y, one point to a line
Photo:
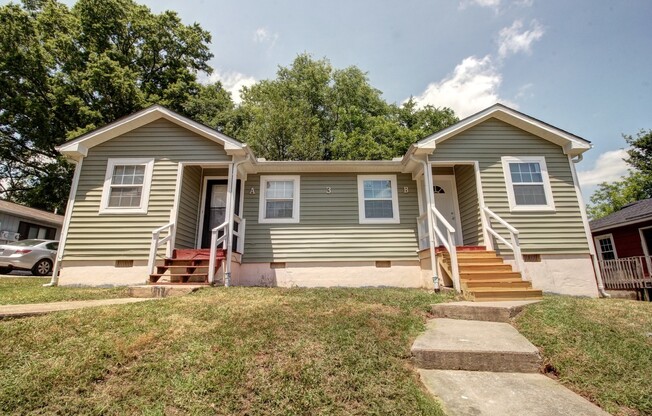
31	309
478	364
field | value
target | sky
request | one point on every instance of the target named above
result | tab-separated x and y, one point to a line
580	65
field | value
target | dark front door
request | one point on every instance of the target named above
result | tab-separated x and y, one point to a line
215	209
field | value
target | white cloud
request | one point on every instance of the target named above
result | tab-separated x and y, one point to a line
233	82
494	4
263	35
608	167
473	86
514	39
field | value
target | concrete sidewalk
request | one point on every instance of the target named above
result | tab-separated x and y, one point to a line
31	309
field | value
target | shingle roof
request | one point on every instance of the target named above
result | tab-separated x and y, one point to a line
36	214
634	212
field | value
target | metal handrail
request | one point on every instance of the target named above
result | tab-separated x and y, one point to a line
157	242
514	245
213	250
448	241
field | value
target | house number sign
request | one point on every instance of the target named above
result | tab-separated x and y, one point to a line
329	190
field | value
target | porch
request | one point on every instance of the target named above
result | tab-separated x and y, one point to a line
629	273
469	242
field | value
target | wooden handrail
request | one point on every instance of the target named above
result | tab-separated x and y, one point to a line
213	250
500	220
514	245
448	241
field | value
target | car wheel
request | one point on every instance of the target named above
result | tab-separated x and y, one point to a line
42	267
5	270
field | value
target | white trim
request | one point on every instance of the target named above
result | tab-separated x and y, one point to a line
296	216
174	213
202	206
547	189
396	219
456	205
643	244
66	222
147	183
572	145
596	241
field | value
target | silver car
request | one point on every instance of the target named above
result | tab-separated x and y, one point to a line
35	255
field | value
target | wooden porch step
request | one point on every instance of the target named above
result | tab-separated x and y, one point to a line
494	283
504	294
474	255
471	275
485	267
481	260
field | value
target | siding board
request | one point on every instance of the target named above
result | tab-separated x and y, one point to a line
559	232
112	237
329	228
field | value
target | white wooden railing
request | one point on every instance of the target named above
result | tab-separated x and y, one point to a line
448	241
215	241
240	232
157	241
627	273
513	244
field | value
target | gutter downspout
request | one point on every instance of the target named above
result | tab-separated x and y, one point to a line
54	281
229	243
587	230
428	185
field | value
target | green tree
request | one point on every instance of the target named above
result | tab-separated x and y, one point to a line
64	72
312	111
637	185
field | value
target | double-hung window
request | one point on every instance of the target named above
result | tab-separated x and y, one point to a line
528	185
377	199
126	186
279	199
606	247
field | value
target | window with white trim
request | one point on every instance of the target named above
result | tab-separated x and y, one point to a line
126	186
378	199
528	184
606	247
279	199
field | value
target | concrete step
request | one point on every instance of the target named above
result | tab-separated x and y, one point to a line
450	344
485	311
163	291
504	394
498	294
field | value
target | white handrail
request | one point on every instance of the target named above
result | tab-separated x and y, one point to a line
422	230
515	245
157	242
448	242
213	250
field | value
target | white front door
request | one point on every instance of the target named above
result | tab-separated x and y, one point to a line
446	203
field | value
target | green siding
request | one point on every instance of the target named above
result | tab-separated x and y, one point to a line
329	228
467	195
558	232
109	236
189	208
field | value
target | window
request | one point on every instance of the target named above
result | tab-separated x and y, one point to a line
279	199
606	247
32	231
377	199
528	185
126	186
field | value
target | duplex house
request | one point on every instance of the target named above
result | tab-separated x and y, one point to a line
490	206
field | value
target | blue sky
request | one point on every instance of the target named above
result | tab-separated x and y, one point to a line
581	65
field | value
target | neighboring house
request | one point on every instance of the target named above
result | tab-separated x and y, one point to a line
623	242
18	222
157	185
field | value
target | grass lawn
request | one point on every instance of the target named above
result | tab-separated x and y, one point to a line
222	351
600	348
16	290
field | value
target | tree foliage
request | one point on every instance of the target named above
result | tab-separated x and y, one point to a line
312	111
64	72
611	197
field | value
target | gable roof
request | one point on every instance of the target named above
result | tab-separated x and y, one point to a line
631	213
30	213
77	148
573	145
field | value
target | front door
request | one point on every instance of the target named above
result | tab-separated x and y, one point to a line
214	210
446	203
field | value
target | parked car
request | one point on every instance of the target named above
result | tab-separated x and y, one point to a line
35	255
